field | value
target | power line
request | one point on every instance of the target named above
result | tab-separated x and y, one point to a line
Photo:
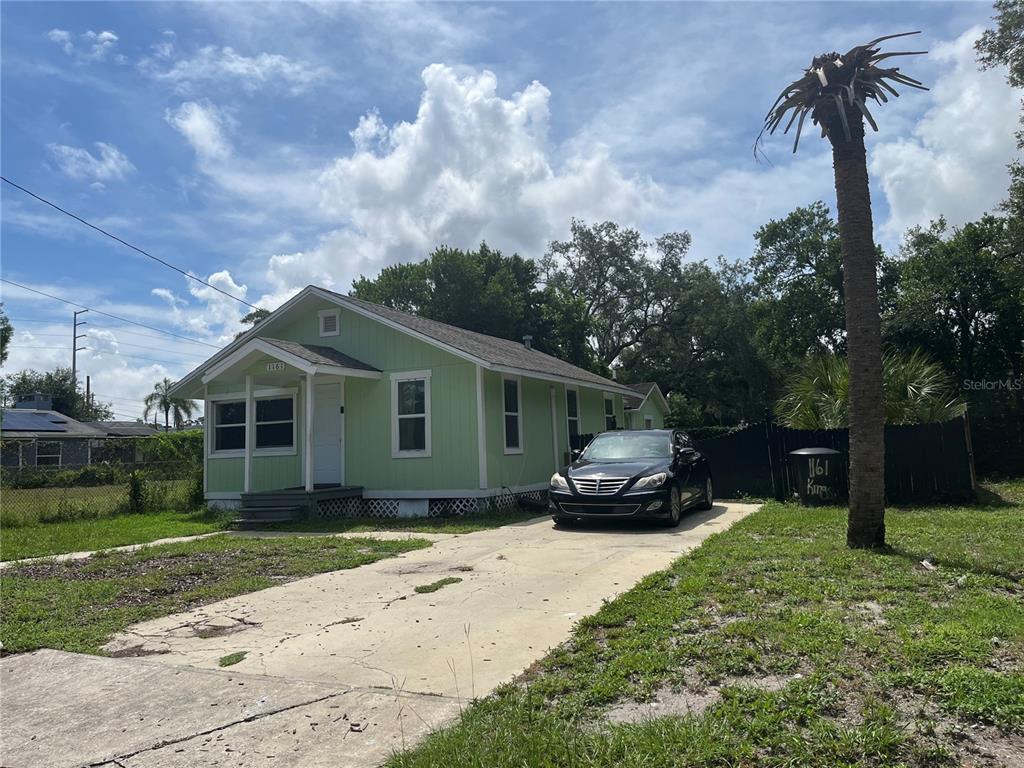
107	352
106	314
102	231
94	325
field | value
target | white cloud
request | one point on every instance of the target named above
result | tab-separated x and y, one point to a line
91	46
110	163
210	314
472	166
203	126
954	162
225	65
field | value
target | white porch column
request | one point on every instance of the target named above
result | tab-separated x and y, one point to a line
207	416
554	428
250	432
310	395
481	428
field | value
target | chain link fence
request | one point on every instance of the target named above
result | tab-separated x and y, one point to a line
118	476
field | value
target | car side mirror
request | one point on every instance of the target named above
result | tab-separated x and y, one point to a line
574	454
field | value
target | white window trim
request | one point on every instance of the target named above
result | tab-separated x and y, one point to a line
518	414
609	398
410	376
230	453
328	313
568	418
277	450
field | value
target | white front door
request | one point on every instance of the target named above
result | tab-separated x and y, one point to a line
328	433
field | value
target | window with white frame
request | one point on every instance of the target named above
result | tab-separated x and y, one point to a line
330	322
275	423
48	453
513	422
572	415
609	412
410	414
229	425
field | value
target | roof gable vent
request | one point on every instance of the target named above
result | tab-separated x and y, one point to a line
329	322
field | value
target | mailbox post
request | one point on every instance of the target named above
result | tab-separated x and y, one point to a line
817	476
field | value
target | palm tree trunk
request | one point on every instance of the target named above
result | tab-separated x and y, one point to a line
866	521
167	419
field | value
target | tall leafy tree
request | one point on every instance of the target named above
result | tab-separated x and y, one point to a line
161	401
253	318
628	287
6	333
834	91
62	387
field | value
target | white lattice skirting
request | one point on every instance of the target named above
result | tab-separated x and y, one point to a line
355	507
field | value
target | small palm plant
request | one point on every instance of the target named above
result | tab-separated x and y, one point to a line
916	391
834	91
160	401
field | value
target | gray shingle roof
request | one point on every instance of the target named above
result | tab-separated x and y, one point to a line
318	355
124	428
30	422
496	351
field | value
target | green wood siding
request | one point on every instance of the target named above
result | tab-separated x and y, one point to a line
225	475
649	408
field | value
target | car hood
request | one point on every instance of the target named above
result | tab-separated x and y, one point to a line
584	468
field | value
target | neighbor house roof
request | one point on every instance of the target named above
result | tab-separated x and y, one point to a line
644	390
33	423
320	355
490	352
124	428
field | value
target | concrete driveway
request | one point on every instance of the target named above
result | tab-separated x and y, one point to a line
341	668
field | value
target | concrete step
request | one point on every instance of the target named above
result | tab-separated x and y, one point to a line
272	501
265	513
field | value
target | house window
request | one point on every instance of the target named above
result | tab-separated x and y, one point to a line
330	322
609	412
229	426
572	415
410	415
48	453
275	422
512	395
648	422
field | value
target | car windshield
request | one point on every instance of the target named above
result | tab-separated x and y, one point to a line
618	447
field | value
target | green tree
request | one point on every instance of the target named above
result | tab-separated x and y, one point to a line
833	91
1003	46
916	391
161	401
6	332
628	287
253	318
62	387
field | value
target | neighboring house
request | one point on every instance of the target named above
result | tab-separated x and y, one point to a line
647	408
410	415
34	437
125	428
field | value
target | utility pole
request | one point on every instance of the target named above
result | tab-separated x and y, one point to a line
75	349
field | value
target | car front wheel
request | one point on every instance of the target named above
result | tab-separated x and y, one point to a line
709	494
675	508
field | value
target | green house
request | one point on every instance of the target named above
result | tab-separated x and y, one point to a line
646	407
343	407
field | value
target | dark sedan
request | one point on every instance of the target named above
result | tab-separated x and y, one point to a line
653	473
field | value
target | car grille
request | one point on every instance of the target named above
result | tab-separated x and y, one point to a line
599	486
600	509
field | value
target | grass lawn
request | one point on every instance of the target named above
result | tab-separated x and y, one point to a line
77	606
773	644
449	524
52	538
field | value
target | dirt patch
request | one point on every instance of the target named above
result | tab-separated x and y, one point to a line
989	748
100	567
691	699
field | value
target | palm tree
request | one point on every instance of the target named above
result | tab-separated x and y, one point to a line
834	91
916	391
160	400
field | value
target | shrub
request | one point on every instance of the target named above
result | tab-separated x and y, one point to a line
137	492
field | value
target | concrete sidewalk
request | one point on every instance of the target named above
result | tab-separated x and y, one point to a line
363	633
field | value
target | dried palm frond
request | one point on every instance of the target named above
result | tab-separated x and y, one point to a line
832	79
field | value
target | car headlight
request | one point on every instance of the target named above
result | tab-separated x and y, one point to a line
559	483
651	481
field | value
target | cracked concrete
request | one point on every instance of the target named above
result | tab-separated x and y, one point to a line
359	635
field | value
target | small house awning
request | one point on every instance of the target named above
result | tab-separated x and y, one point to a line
311	359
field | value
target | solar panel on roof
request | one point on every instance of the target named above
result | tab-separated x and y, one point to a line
31	421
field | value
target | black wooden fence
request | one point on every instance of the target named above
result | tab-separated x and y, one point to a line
923	462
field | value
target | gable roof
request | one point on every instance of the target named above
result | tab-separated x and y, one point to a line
320	355
489	352
31	422
124	428
644	390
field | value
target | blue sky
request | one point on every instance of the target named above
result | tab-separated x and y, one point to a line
264	147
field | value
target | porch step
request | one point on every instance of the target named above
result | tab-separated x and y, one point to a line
255	501
257	517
